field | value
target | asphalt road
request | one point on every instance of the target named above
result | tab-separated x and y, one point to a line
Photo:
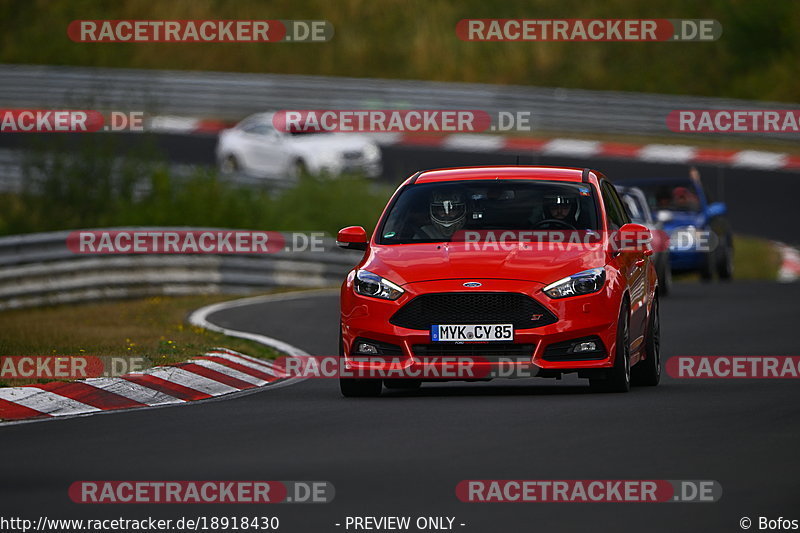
402	454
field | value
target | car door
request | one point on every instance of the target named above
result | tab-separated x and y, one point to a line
277	152
262	148
632	265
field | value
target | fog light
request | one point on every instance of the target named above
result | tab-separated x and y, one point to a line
368	349
585	347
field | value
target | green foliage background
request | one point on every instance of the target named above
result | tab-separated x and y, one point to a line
757	56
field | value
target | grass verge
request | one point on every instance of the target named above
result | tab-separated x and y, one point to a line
154	329
755	258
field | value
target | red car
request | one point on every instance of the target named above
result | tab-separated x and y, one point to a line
519	267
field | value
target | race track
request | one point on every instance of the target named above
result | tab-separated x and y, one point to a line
405	452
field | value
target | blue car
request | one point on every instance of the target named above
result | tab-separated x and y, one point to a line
700	238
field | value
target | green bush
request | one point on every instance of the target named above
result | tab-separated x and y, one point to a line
88	187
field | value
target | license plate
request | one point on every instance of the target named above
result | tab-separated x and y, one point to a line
472	332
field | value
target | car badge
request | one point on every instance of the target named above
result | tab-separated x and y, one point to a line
536	317
472	284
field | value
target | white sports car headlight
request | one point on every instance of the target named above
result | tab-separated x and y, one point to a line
585	282
368	284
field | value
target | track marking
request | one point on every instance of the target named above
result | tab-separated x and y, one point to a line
45	402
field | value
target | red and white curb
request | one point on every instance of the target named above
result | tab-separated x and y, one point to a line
215	373
219	372
480	142
790	263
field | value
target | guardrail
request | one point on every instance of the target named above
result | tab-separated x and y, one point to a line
39	269
231	96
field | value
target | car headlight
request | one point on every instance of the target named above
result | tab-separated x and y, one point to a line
585	282
371	151
368	284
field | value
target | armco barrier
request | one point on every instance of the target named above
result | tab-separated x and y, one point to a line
231	96
39	269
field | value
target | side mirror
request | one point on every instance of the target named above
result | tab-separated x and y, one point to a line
717	209
352	238
632	237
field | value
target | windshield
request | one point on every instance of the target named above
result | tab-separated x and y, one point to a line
678	195
436	212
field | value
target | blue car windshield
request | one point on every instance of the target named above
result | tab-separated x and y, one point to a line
437	212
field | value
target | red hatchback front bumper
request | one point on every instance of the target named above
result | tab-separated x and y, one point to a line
547	349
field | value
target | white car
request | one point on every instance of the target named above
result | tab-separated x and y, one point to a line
255	147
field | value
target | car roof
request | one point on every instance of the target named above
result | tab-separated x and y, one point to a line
519	172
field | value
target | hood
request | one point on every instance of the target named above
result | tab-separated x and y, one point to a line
409	263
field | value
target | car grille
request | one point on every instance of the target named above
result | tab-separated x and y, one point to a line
473	308
494	351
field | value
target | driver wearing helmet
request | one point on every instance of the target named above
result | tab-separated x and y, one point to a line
448	212
561	207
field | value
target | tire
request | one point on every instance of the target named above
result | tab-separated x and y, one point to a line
648	371
618	377
354	387
229	165
298	169
707	269
725	262
402	384
664	278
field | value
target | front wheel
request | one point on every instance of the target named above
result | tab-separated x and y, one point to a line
229	165
298	169
648	371
664	275
618	377
725	263
707	268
